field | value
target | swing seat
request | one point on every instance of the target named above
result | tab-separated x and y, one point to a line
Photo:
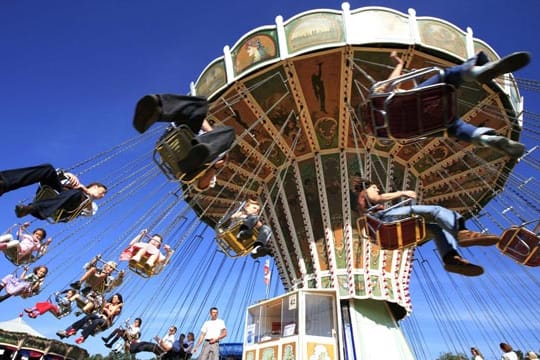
522	245
174	147
61	314
93	298
28	294
64	215
63	310
142	269
409	114
13	255
99	284
395	235
230	244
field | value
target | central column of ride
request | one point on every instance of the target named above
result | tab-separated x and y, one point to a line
320	244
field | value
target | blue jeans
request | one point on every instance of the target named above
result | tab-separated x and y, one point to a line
88	324
455	76
442	224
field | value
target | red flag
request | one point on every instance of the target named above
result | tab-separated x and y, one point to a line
267	272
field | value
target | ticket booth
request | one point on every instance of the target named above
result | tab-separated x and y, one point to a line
299	325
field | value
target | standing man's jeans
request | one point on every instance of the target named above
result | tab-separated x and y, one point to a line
210	351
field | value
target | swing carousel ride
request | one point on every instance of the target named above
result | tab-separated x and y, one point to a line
298	95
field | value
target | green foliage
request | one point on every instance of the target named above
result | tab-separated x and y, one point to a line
113	356
450	356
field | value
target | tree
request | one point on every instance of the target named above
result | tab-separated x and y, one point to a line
450	356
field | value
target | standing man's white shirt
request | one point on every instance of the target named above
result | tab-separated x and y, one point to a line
212	332
212	329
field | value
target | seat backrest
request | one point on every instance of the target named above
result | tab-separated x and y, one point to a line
394	235
421	112
410	114
140	269
230	244
522	245
12	254
63	215
173	147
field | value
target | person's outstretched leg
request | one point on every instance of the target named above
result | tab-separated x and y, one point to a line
261	248
180	109
16	178
448	220
507	64
446	247
485	136
207	148
455	75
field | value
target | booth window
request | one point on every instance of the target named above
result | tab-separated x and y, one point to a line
319	315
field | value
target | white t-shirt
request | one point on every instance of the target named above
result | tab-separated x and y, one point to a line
212	328
510	356
134	331
168	340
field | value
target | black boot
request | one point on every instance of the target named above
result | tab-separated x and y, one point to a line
115	339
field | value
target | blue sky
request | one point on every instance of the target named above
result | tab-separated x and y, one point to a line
71	73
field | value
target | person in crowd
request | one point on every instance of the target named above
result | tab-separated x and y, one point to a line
251	219
96	321
70	192
98	279
182	348
160	347
25	243
62	307
508	352
150	252
212	332
477	355
477	68
25	285
129	334
446	227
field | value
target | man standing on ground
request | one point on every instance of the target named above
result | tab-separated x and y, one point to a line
212	332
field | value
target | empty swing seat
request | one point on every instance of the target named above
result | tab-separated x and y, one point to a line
395	235
409	114
522	245
65	215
